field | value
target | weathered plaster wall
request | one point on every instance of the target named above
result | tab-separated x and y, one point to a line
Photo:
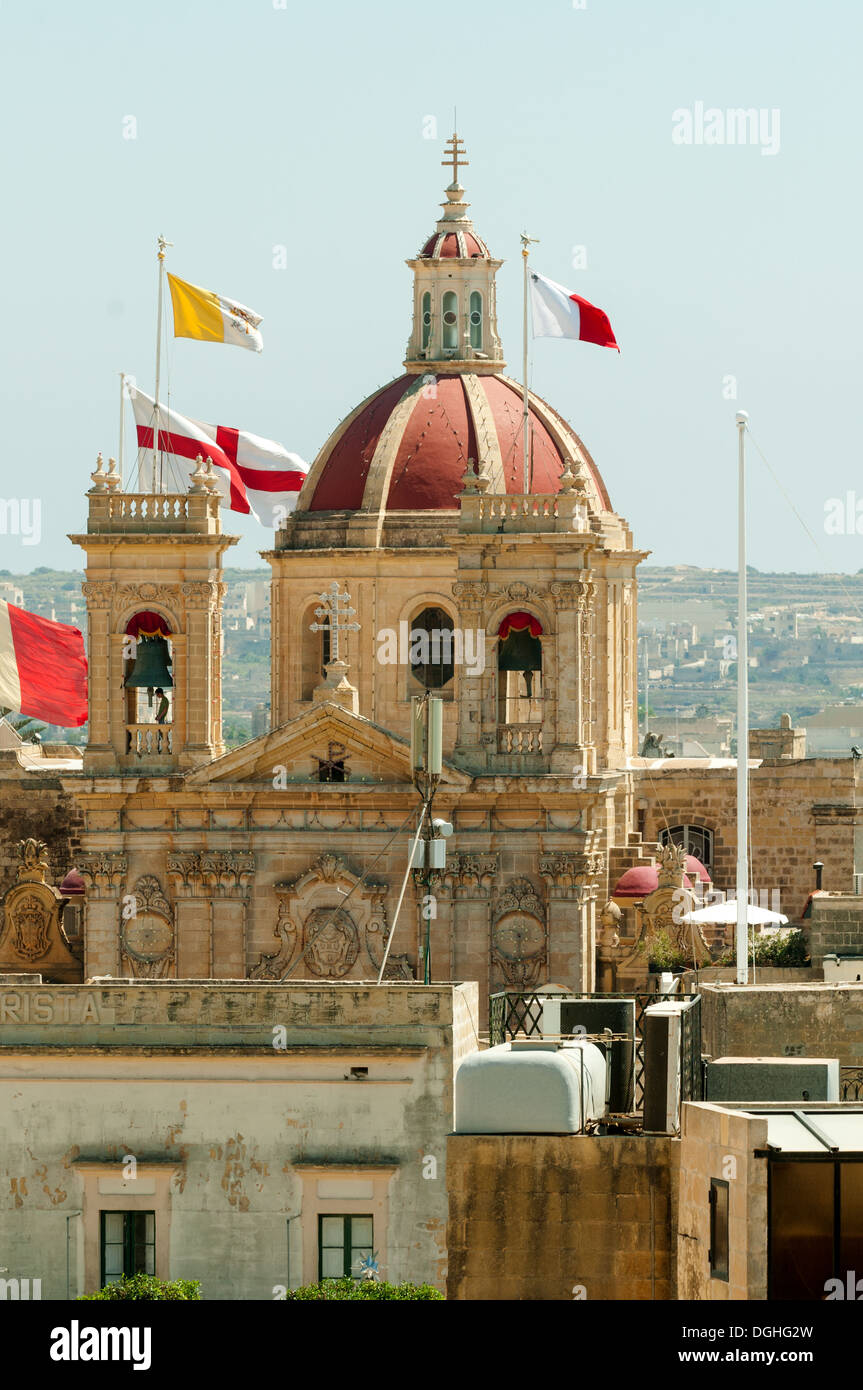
188	1074
533	1216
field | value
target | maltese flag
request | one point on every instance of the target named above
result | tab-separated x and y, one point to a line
559	314
43	668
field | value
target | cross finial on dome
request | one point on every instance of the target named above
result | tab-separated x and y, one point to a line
455	154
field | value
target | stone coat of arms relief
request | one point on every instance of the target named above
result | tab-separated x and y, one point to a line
330	925
32	936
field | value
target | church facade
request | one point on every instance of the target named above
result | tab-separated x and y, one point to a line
429	553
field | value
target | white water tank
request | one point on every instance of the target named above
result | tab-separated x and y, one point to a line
531	1088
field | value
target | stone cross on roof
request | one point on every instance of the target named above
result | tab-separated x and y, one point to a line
334	612
455	156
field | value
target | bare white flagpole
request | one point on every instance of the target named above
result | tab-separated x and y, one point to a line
122	425
163	244
742	932
525	423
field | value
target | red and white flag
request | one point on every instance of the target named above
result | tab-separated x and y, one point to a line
559	314
255	476
43	668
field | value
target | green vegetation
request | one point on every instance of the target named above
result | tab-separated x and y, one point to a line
148	1287
365	1288
786	949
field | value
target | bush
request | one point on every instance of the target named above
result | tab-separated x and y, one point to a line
365	1288
147	1286
664	954
787	949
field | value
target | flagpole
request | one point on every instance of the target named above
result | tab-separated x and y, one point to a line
120	449
162	246
525	423
742	885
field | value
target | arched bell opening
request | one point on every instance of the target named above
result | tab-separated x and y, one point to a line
519	670
148	672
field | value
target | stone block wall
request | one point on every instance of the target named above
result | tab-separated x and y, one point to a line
561	1216
717	1143
835	926
814	1020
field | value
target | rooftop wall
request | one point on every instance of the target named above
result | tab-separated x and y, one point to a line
562	1216
806	1020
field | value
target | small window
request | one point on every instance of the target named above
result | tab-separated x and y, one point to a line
426	317
128	1244
431	651
450	320
343	1243
718	1253
476	319
696	840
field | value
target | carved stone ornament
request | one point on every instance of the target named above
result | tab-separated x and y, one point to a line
469	594
147	933
320	937
203	873
99	593
519	935
200	593
32	936
104	873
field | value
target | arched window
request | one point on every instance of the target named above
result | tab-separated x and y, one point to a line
696	839
426	317
450	320
519	669
431	655
476	319
316	652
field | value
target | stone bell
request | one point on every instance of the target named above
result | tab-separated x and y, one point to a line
152	660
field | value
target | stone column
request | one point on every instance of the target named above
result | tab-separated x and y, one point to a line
471	878
572	884
105	877
470	596
100	597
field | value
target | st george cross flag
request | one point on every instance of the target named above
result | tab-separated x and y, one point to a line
43	668
559	314
254	475
202	314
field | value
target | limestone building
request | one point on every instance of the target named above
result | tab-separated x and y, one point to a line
506	587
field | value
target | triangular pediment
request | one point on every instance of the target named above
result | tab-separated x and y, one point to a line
371	754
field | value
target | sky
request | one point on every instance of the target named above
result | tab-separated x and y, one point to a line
731	272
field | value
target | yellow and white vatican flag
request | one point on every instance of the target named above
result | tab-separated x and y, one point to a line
201	314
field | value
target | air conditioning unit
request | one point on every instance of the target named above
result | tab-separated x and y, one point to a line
842	968
568	1016
660	1030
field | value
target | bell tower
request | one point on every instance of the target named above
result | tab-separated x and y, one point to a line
154	595
455	310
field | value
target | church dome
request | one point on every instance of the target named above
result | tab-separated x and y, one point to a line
466	245
407	446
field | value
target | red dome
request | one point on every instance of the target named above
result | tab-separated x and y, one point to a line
643	879
420	431
695	868
73	885
463	245
638	882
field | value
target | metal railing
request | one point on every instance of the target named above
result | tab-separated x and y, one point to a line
515	1013
851	1083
